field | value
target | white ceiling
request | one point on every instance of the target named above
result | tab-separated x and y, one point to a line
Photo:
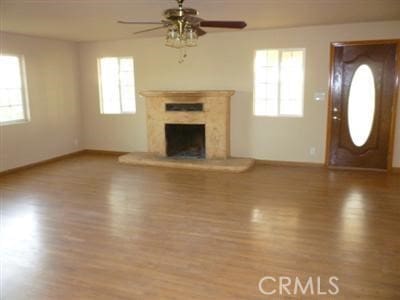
89	20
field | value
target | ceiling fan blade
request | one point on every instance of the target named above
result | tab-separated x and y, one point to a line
150	29
142	23
195	21
224	24
200	32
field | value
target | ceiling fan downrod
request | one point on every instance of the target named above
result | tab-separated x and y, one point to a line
180	3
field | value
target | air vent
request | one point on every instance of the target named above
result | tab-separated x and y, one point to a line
184	106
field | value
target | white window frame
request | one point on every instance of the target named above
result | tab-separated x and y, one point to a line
119	85
279	115
24	91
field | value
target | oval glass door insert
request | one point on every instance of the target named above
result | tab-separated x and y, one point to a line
361	105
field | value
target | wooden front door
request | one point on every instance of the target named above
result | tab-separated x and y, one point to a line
362	105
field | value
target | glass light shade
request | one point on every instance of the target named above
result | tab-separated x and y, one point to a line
172	36
180	37
178	43
191	38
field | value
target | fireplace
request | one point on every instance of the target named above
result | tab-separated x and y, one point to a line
185	140
209	108
188	130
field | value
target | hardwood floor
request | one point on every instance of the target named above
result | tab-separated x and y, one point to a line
90	228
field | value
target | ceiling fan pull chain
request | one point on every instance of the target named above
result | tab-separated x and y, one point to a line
182	54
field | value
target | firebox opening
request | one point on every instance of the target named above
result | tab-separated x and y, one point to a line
185	140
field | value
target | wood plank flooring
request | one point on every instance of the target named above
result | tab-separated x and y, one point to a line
89	228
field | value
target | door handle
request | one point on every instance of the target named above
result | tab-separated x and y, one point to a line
336	118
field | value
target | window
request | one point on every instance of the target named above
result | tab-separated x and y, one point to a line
13	96
117	86
279	82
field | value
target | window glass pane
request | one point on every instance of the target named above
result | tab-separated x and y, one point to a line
272	92
110	91
272	108
284	91
109	70
290	107
361	105
261	75
17	112
117	85
261	91
11	113
5	114
126	64
4	98
272	58
111	106
128	99
10	76
14	96
266	67
291	83
126	78
11	94
261	58
272	75
260	107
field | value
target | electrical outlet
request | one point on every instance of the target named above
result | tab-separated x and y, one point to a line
313	151
76	142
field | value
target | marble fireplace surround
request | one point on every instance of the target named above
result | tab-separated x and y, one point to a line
215	116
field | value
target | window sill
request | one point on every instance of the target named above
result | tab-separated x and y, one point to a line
118	114
17	122
279	117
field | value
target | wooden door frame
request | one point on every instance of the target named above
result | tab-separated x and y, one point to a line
394	100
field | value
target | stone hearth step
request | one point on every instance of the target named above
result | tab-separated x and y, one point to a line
150	159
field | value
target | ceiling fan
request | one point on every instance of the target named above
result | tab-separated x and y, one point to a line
184	26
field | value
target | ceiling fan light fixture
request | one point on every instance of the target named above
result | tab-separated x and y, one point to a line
184	27
181	38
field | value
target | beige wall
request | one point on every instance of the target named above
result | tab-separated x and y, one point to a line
56	74
52	77
224	61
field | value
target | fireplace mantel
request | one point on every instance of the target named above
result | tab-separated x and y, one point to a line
214	114
183	94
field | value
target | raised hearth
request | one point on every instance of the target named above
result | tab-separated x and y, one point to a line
235	165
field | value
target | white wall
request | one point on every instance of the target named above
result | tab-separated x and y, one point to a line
52	76
224	61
